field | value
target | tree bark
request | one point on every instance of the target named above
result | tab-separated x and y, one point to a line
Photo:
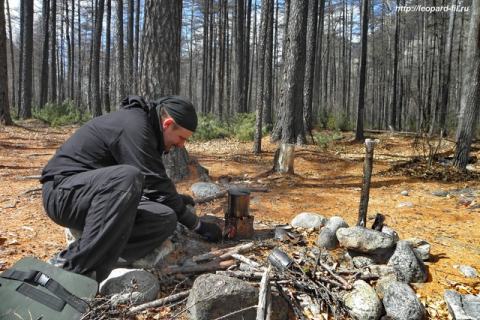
362	72
27	62
106	69
119	52
470	93
52	87
367	176
4	102
97	42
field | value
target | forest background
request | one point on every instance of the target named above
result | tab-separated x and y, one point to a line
298	65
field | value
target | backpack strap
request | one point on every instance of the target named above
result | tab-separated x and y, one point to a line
37	277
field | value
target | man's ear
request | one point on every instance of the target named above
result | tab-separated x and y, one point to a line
167	122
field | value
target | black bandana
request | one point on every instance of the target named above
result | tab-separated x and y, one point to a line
181	110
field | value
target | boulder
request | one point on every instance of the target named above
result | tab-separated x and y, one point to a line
328	235
401	303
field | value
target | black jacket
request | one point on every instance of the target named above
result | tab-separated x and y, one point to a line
131	135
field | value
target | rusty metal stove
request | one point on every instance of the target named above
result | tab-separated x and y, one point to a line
238	221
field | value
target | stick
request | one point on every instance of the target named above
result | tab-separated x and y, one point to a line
251	275
211	266
224	253
367	176
235	312
32	190
224	192
263	294
160	302
243	259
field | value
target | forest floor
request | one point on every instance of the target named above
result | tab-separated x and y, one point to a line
326	181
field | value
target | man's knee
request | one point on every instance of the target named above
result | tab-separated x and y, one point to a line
130	178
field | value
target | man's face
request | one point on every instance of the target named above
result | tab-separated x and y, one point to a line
174	135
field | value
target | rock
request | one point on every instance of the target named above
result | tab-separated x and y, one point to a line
391	233
362	261
213	296
151	259
71	235
121	281
404	193
401	303
383	283
309	220
362	302
328	238
468	271
461	307
205	189
408	265
405	204
382	270
375	257
364	240
420	246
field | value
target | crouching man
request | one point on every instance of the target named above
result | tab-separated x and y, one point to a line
108	180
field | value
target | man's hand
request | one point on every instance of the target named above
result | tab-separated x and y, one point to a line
209	230
187	199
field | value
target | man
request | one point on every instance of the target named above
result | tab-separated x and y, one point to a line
108	180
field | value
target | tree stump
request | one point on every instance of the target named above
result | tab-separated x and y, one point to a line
178	165
284	158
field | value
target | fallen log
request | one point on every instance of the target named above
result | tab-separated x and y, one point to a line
263	294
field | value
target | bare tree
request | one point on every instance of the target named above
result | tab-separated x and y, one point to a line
106	70
119	51
52	92
160	69
97	42
362	72
4	103
470	106
45	52
289	126
27	58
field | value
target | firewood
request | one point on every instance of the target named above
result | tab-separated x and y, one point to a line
263	294
160	302
207	267
224	253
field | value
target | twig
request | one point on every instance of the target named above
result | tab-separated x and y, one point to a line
251	275
235	312
243	259
344	282
32	190
211	266
159	302
263	294
227	252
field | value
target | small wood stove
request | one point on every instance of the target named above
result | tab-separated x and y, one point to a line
238	221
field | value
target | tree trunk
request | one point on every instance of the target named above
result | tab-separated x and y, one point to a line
52	87
239	97
46	40
161	49
12	59
27	62
4	103
310	64
470	106
106	70
119	52
97	42
289	126
362	72
130	76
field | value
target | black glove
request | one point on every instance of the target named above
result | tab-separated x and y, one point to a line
210	231
187	199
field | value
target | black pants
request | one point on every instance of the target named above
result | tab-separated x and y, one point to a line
106	204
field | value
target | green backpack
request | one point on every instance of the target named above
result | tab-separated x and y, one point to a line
34	289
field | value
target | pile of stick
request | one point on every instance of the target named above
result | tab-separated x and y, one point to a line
310	274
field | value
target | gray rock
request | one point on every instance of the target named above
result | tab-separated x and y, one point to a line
420	246
362	261
71	235
120	282
153	258
401	303
404	193
408	265
309	220
382	270
457	306
468	271
383	283
364	240
391	233
362	302
405	204
213	296
328	238
375	257
205	189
